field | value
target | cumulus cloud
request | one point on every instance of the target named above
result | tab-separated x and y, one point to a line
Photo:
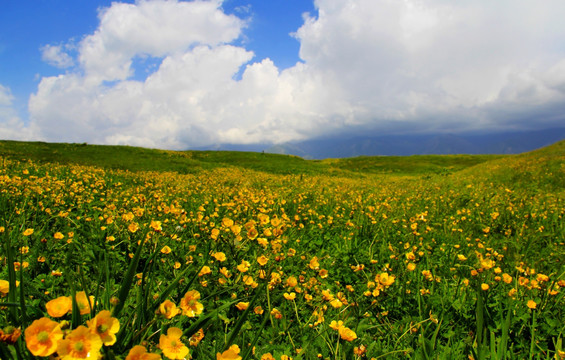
368	65
401	60
156	28
56	55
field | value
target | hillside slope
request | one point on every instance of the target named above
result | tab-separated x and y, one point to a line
542	169
190	162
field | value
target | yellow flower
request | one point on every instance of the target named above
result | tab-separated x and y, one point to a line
258	310
336	303
262	260
133	227
81	343
171	345
190	305
336	325
236	229
411	267
314	264
42	337
105	326
263	242
244	266
128	217
344	332
506	278
166	250
139	352
59	307
220	256
242	305
347	334
267	356
276	313
291	281
58	236
327	295
196	338
168	309
484	287
84	304
4	287
10	335
532	304
156	226
360	351
487	264
230	354
204	271
28	232
227	222
385	279
290	296
224	271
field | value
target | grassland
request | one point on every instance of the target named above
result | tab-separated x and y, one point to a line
192	162
265	256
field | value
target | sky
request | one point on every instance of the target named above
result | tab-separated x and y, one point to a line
177	74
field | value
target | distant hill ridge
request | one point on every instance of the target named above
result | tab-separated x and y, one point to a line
402	145
543	163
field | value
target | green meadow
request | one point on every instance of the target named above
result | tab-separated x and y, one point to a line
115	252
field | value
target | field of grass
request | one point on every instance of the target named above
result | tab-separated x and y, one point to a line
130	253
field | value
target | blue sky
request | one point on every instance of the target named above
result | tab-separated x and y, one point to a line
179	74
27	26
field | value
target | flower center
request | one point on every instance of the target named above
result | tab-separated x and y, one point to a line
43	336
79	346
102	328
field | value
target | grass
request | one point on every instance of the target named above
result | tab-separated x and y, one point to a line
271	256
190	162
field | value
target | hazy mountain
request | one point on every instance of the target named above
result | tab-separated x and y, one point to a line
499	143
469	143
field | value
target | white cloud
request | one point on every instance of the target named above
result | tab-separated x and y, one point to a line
156	28
373	65
11	126
6	97
56	56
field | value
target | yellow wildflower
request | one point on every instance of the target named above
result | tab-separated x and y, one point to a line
171	345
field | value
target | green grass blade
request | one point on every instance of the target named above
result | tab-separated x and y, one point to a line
502	347
128	280
203	320
258	333
243	317
11	280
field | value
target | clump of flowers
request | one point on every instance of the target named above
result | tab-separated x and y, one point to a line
344	332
